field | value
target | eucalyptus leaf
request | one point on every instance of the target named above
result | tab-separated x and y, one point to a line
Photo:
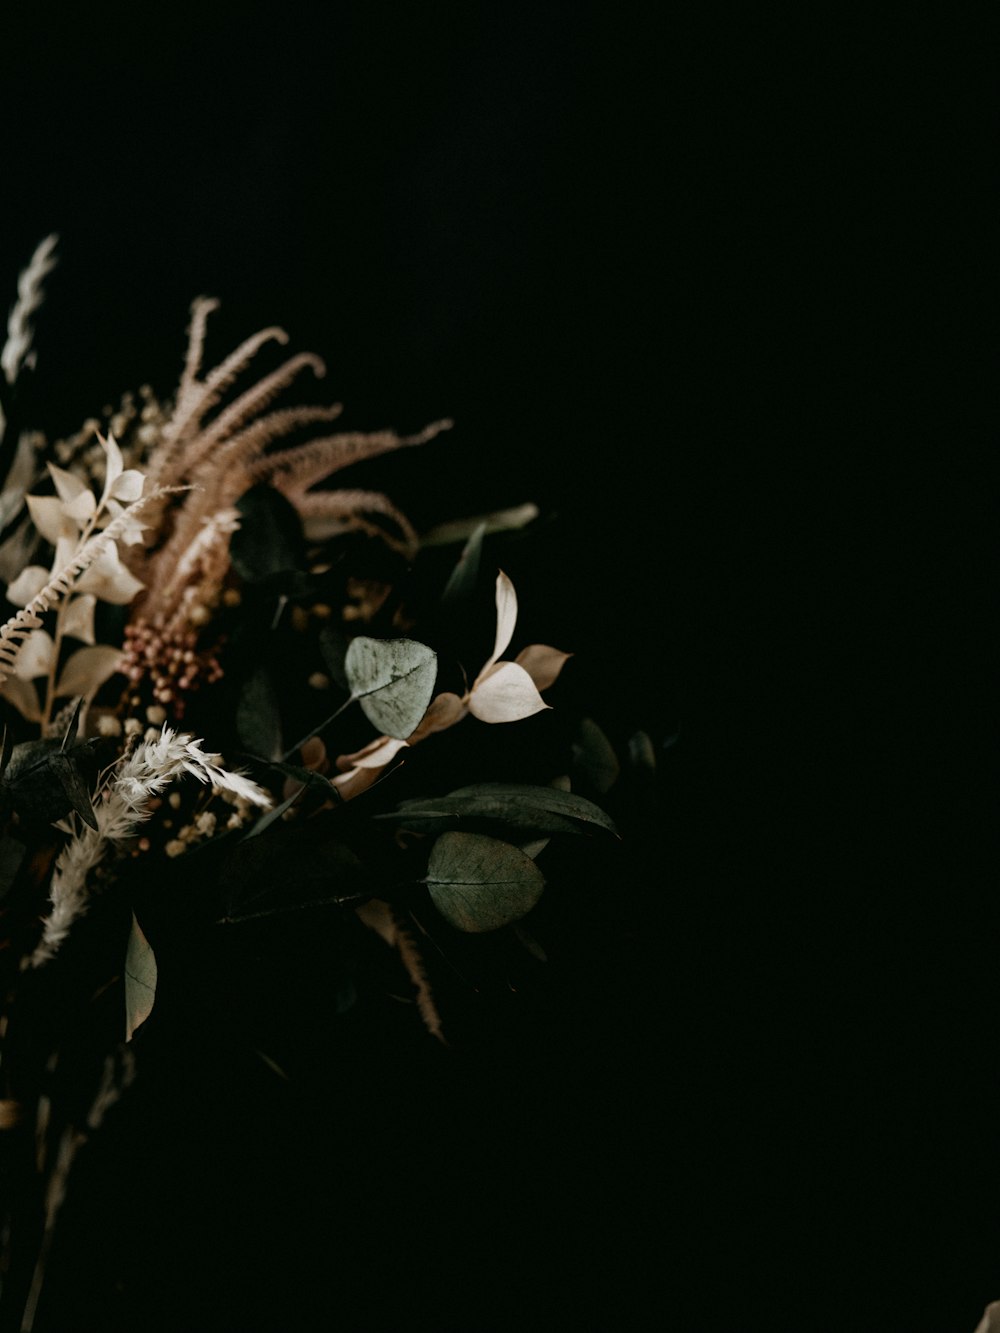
479	883
393	679
550	799
516	814
140	979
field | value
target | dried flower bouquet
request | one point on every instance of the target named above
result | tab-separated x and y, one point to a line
217	670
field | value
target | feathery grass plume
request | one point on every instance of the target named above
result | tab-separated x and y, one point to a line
120	804
20	626
222	456
29	297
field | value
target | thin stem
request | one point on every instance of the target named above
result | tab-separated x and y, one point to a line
316	730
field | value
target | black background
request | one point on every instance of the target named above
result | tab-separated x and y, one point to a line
704	288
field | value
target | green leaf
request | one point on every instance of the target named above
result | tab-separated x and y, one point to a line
140	980
393	679
333	645
550	800
479	883
269	539
595	755
513	813
258	715
12	854
463	577
291	870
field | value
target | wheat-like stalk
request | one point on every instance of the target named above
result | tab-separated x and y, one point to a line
124	802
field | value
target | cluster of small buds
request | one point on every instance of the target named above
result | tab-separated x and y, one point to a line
137	424
205	824
171	660
368	596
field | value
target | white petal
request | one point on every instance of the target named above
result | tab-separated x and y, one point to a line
28	584
506	694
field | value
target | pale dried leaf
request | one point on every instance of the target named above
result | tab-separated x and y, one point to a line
542	663
140	980
28	584
87	670
445	710
383	752
128	486
82	509
78	618
114	466
35	658
48	513
69	486
506	694
24	696
506	617
109	579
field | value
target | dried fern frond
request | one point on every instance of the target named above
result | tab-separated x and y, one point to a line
221	458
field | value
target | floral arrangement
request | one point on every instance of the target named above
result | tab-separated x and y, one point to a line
234	690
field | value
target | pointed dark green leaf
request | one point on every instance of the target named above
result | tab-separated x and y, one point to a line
595	755
269	539
463	577
551	800
393	679
479	883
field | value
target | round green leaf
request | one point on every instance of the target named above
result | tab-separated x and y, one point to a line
479	883
393	679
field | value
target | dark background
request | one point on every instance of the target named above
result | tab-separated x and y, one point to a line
708	290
